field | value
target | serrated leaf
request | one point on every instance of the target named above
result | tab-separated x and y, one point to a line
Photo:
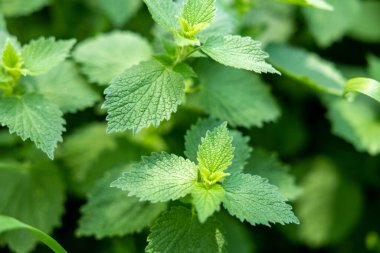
33	117
307	67
178	230
10	57
64	86
207	200
365	26
251	104
196	15
215	153
114	52
268	166
320	4
41	55
342	18
238	52
356	122
111	212
143	95
194	136
11	8
164	12
159	178
120	11
34	194
8	223
253	199
323	206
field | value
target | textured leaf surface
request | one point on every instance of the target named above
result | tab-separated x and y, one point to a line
143	95
41	55
8	223
207	200
323	206
33	117
307	67
12	8
215	152
238	52
164	12
159	178
320	4
196	12
268	166
253	199
251	104
120	11
328	27
179	231
64	86
114	53
111	212
10	57
33	194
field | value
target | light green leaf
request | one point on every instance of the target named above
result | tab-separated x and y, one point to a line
374	67
356	122
120	11
215	153
328	27
268	166
253	199
365	86
33	117
10	57
11	8
143	95
366	24
196	15
307	67
41	55
159	178
32	192
320	4
178	230
110	212
164	12
207	200
114	53
8	223
251	104
64	86
329	207
194	136
238	52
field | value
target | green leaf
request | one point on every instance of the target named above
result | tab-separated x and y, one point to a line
64	86
251	104
110	212
159	178
374	67
207	200
143	95
238	52
253	199
323	206
164	12
307	67
10	57
8	223
215	153
268	166
196	15
320	4
194	136
114	53
32	192
120	11
356	122
11	8
365	86
33	117
365	26
41	55
328	27
178	230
